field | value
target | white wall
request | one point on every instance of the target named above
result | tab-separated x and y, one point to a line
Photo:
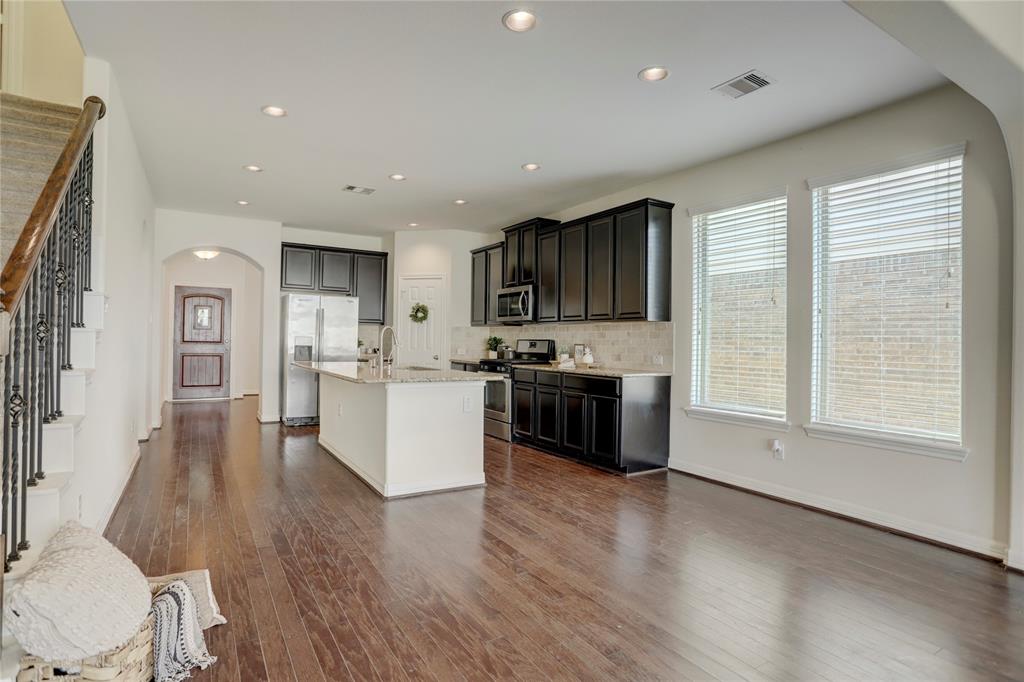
258	241
964	504
42	58
246	284
339	240
118	414
439	252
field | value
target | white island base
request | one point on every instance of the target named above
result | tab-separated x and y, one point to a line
403	435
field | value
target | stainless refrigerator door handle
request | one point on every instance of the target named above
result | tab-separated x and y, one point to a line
437	357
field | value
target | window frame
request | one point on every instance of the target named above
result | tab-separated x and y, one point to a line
751	417
875	435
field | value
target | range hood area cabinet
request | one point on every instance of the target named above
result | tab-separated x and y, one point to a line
347	272
612	265
520	264
487	275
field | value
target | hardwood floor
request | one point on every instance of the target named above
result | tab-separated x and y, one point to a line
553	571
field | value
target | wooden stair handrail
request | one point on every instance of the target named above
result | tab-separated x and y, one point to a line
18	269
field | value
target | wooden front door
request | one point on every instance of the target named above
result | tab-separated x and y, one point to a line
202	343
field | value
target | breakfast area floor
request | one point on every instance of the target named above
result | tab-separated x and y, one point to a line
553	571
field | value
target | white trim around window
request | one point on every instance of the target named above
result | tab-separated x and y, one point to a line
888	441
738	418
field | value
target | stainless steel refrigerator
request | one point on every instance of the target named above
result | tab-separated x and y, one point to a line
317	328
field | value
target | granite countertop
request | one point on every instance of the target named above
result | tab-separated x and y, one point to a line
360	373
617	372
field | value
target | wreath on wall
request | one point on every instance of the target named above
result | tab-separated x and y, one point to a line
419	313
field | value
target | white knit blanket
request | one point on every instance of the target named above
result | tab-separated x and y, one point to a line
178	643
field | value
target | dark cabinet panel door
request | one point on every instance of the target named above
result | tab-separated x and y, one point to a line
522	410
370	287
547	277
631	265
603	434
573	438
573	277
478	313
511	276
528	255
600	269
336	271
494	282
547	422
298	268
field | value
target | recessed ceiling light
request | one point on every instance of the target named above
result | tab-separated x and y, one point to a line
461	202
519	20
253	168
276	112
414	224
653	73
396	176
531	166
242	202
204	254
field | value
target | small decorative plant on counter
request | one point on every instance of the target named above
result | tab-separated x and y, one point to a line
493	343
419	313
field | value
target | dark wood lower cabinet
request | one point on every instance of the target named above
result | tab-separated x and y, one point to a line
620	424
522	410
547	415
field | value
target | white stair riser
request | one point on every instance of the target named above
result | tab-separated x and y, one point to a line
72	393
83	349
58	447
95	303
43	518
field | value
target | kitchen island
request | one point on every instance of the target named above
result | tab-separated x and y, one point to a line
403	431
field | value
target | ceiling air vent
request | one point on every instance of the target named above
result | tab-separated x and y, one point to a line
356	189
744	85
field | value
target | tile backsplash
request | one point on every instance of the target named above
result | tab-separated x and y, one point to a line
615	344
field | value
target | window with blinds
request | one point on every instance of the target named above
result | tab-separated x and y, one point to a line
888	298
739	308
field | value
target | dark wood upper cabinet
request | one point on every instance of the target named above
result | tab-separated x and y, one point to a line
511	276
573	275
495	278
371	286
298	267
520	265
336	271
548	266
601	268
478	269
339	271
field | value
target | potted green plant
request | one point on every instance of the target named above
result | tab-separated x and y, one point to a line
493	343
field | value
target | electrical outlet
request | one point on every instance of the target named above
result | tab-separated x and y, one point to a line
659	359
80	505
131	429
460	351
340	410
777	449
467	403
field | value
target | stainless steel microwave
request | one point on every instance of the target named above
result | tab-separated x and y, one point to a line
515	304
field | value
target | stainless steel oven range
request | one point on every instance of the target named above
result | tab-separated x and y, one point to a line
498	394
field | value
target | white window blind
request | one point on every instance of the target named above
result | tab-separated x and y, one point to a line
888	300
739	308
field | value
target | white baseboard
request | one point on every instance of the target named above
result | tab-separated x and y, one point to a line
1015	559
955	538
101	525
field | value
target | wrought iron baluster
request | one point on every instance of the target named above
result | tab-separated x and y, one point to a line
22	349
88	203
15	405
48	350
29	431
41	332
4	515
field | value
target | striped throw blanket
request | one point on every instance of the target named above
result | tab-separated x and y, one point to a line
178	644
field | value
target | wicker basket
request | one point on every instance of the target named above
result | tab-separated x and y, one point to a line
130	662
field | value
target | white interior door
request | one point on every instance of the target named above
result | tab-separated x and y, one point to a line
420	343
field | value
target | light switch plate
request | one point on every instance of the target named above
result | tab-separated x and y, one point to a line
467	403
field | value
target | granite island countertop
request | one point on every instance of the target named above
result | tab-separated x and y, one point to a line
360	373
616	372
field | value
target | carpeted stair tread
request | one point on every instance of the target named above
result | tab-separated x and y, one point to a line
17	101
33	133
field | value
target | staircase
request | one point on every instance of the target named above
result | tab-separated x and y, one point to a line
49	324
32	136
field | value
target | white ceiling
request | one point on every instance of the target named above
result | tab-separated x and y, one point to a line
443	93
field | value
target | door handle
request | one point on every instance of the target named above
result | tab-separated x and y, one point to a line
436	357
522	303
